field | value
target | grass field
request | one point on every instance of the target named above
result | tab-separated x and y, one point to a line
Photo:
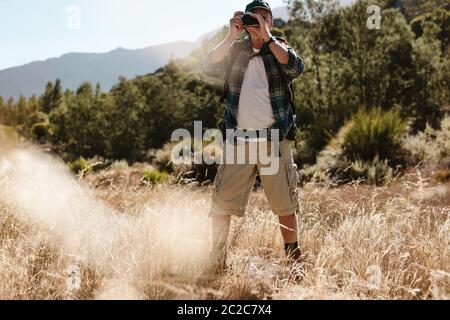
107	237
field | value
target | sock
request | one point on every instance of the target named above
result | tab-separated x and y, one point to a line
290	247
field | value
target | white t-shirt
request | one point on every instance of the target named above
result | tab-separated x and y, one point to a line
255	108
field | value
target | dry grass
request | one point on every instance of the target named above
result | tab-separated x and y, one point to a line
105	237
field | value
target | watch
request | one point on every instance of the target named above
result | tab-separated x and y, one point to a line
272	39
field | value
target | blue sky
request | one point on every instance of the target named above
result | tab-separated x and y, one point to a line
39	29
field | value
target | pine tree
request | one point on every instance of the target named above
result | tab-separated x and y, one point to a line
52	97
56	95
46	98
21	111
33	104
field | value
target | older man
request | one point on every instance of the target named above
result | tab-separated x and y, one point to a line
260	70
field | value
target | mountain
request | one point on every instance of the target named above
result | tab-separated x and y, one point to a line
105	68
281	13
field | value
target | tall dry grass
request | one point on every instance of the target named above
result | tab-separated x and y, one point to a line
106	237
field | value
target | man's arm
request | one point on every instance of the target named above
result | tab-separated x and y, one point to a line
214	64
291	65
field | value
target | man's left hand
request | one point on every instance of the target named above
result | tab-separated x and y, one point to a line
262	31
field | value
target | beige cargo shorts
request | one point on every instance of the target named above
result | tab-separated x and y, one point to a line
234	183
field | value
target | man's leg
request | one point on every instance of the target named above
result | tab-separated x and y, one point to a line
233	187
221	229
289	228
289	232
281	191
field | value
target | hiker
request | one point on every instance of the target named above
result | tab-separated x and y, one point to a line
258	71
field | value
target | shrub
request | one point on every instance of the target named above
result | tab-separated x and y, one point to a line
430	146
37	117
367	148
443	175
375	172
154	177
79	166
199	172
40	130
120	166
162	158
331	162
38	124
375	133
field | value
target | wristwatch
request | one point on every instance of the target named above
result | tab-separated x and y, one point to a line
272	39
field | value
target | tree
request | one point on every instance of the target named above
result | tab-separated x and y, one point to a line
56	95
441	18
2	111
46	98
21	112
347	66
52	97
431	78
128	136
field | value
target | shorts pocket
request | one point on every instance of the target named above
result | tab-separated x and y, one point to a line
293	180
218	179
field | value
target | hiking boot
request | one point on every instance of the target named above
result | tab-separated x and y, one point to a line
296	255
293	252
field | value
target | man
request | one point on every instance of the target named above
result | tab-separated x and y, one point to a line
257	99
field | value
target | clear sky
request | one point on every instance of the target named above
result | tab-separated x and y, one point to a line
39	29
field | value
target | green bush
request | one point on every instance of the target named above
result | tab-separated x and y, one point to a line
154	177
368	148
37	117
40	130
78	166
375	133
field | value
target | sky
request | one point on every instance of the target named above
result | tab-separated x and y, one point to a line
37	30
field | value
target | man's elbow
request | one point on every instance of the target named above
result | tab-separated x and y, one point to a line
294	69
295	66
300	66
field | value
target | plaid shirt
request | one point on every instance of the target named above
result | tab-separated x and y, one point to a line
277	74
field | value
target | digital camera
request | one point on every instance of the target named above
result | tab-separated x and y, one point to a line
249	21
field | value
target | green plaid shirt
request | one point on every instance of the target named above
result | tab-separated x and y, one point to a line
277	74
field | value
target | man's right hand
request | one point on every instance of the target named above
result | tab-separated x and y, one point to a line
221	50
236	26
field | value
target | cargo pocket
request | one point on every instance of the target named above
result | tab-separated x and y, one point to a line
293	179
217	180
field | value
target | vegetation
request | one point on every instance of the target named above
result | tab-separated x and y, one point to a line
431	146
154	176
372	106
79	166
374	134
118	239
402	67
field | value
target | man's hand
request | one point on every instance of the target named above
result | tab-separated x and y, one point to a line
221	50
236	26
262	31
